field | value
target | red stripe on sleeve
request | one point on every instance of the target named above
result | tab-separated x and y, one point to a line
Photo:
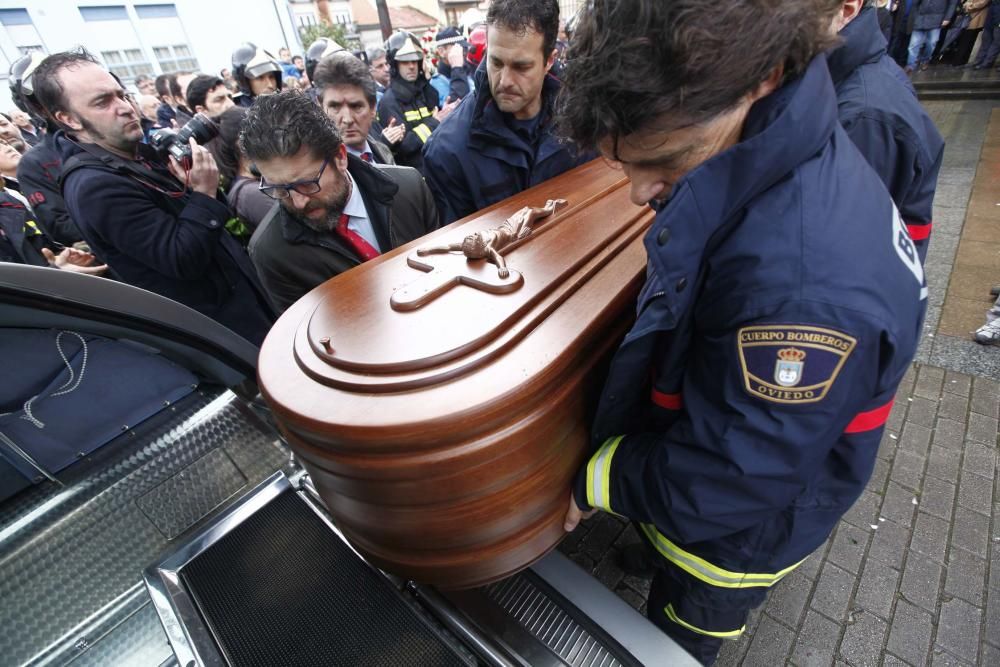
920	232
668	401
871	420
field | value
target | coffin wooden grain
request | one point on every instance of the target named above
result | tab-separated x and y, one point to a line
444	437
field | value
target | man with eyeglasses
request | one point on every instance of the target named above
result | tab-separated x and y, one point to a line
336	211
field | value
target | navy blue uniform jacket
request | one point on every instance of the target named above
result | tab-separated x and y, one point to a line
475	159
177	248
879	109
38	174
784	301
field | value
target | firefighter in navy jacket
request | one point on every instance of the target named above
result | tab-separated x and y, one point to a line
879	109
784	301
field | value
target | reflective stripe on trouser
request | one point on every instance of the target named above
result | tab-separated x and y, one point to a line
424	112
702	570
423	132
599	475
694	616
411	115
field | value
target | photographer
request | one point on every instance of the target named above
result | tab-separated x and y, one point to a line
156	224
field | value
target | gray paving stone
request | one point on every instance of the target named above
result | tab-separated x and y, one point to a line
908	469
930	537
810	567
608	572
949	433
889	544
889	660
634	600
922	412
937	498
964	355
833	592
966	577
910	633
865	510
990	656
971	531
980	459
940	658
897	504
887	446
953	406
915	439
604	533
863	639
731	653
928	384
985	387
921	581
877	589
880	475
848	547
985	405
906	384
957	383
992	627
982	429
787	601
638	584
958	629
771	644
943	463
896	416
975	493
817	641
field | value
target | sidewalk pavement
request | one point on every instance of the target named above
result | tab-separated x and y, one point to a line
911	575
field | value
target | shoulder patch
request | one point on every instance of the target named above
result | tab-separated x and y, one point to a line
791	363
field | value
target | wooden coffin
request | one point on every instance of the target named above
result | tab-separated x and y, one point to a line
443	420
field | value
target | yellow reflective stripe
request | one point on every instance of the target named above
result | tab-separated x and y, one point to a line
599	475
412	115
31	228
424	112
705	571
672	615
423	132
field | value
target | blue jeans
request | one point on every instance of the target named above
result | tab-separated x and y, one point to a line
920	41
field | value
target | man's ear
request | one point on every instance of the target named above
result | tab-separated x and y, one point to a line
68	120
551	60
200	109
341	159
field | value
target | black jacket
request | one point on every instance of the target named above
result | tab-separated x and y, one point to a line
21	241
174	246
930	14
38	175
879	110
292	258
411	104
476	158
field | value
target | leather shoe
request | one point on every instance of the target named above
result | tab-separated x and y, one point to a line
638	560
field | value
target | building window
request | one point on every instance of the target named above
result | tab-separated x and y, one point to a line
176	58
104	13
127	63
155	11
15	17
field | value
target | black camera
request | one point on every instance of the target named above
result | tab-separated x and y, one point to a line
177	143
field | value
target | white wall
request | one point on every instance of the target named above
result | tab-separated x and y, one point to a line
211	28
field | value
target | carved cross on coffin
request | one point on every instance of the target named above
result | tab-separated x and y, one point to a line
469	262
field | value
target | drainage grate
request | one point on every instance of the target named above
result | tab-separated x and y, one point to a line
282	589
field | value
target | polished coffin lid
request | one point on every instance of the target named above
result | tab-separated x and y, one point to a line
441	410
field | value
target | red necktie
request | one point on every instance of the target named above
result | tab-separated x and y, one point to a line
355	240
367	157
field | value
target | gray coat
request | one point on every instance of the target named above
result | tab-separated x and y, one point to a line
929	14
291	258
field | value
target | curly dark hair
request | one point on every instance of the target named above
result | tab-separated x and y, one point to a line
49	90
633	61
519	16
343	69
280	125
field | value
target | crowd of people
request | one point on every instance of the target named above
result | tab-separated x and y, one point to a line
947	31
777	141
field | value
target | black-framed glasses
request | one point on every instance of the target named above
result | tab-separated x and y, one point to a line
283	190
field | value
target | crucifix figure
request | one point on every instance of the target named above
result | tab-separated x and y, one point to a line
487	244
456	269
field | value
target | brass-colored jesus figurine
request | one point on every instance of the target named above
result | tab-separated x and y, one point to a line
487	244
